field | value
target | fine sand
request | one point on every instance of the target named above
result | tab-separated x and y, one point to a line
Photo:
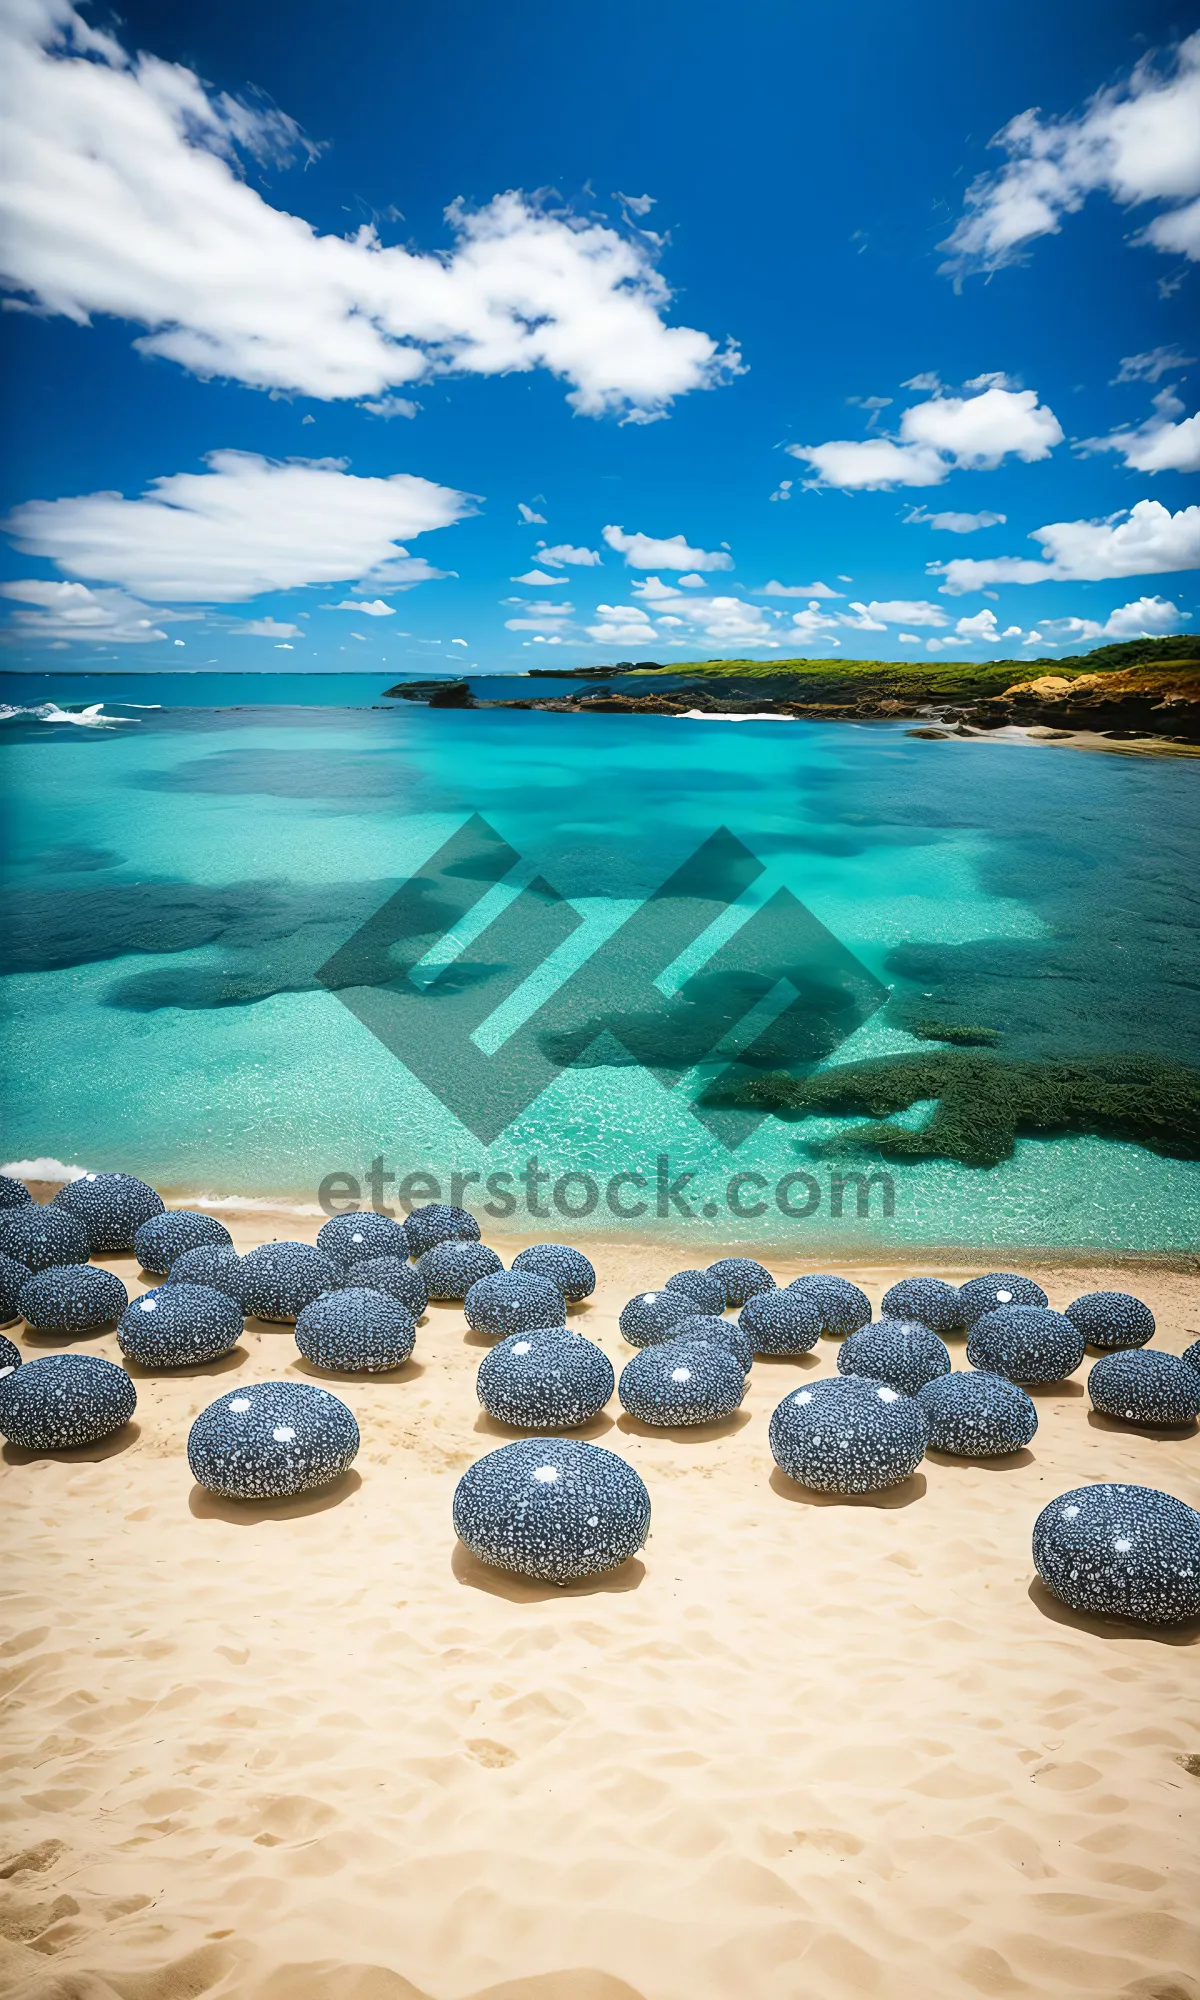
799	1750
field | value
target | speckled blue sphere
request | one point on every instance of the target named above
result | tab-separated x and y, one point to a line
272	1439
512	1302
973	1415
180	1326
846	1434
210	1265
569	1269
111	1207
1112	1320
13	1279
781	1322
61	1400
1026	1343
72	1299
1145	1387
650	1316
1121	1552
740	1278
10	1356
13	1194
682	1382
997	1288
554	1509
436	1223
897	1351
550	1380
930	1301
160	1242
39	1237
1192	1356
449	1268
842	1307
359	1331
706	1292
710	1327
391	1275
351	1239
280	1279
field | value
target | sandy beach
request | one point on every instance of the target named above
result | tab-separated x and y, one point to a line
799	1750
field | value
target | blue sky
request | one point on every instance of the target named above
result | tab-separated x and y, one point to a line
693	264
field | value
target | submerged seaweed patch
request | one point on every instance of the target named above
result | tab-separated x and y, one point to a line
985	1102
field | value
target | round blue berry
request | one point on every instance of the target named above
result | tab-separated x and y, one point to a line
61	1400
72	1299
10	1356
210	1265
356	1330
270	1440
781	1322
569	1269
160	1242
706	1292
13	1194
930	1301
393	1276
180	1326
650	1316
435	1223
711	1327
975	1415
548	1380
898	1351
280	1279
1112	1320
846	1434
1145	1386
994	1289
512	1302
554	1509
1026	1343
1121	1552
1192	1356
13	1279
39	1237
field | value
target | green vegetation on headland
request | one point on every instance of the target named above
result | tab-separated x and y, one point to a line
985	1102
956	678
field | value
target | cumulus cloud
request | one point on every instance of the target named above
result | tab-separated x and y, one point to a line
373	607
65	611
562	552
247	524
941	435
813	628
1153	365
389	406
1144	618
644	552
123	196
269	628
1146	541
783	491
876	616
536	576
775	589
529	516
983	625
954	524
1159	444
1137	141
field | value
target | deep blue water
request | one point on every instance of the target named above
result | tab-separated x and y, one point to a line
180	878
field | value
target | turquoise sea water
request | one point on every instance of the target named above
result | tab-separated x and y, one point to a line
180	879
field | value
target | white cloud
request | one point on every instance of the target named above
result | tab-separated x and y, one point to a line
774	589
812	627
783	491
388	406
562	552
982	626
955	524
402	574
267	628
123	196
1148	541
1145	618
908	638
1151	366
373	607
637	204
874	617
947	433
542	610
247	525
459	642
644	552
65	611
1159	444
534	576
1137	141
621	626
530	518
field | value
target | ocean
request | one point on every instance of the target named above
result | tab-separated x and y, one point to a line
238	912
